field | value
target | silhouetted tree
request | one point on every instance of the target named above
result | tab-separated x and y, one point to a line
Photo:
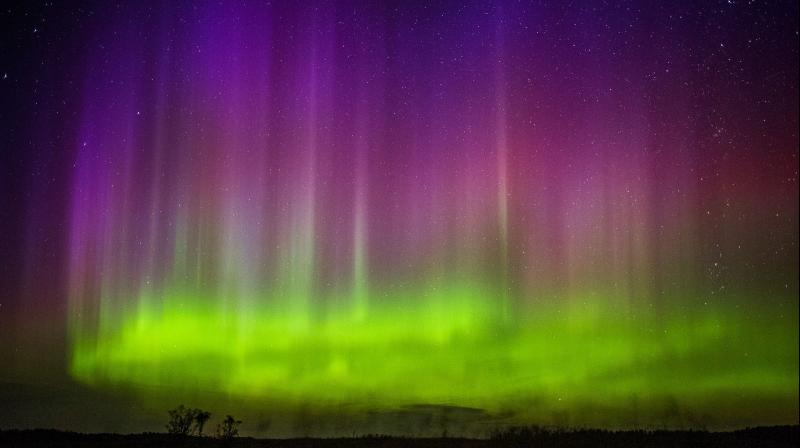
200	419
229	428
180	420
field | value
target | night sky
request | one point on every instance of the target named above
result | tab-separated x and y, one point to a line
349	217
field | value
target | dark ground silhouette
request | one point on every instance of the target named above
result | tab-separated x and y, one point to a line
775	436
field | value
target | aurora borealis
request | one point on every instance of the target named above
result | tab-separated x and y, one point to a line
565	214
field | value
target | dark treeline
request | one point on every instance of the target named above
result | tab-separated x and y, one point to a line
776	436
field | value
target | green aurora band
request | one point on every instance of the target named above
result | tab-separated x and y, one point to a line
459	352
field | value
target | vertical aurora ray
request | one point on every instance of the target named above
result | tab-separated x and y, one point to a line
343	205
360	288
502	165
